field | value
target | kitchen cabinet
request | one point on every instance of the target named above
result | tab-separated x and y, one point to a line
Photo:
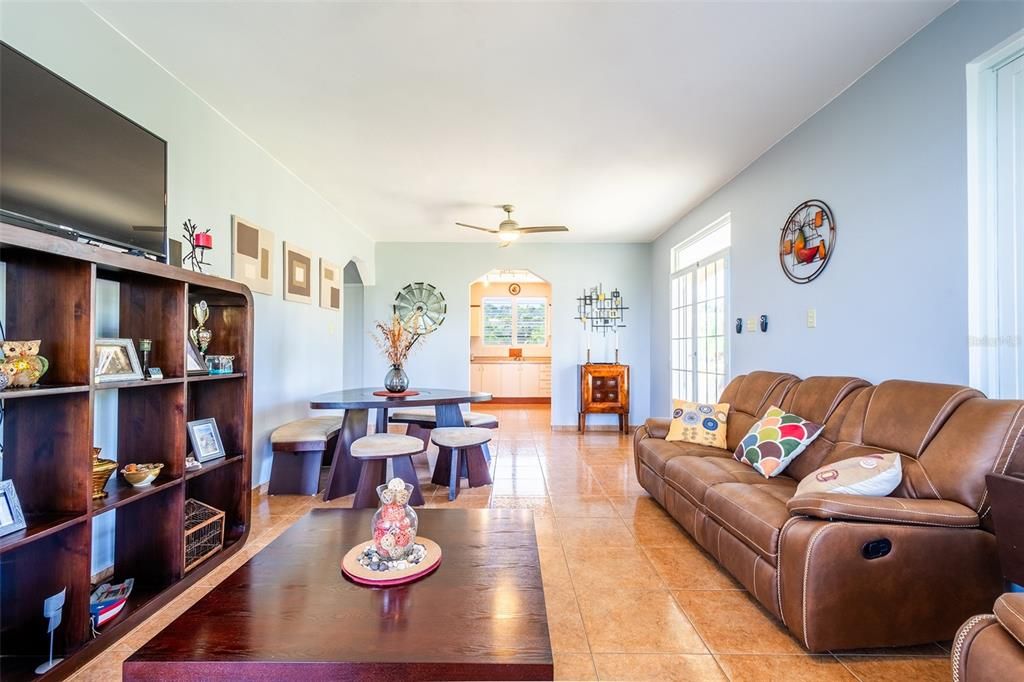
512	379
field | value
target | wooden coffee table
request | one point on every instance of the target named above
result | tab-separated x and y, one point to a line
289	613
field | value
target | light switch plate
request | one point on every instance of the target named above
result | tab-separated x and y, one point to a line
812	318
751	324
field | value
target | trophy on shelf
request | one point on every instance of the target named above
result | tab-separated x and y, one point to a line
52	609
201	336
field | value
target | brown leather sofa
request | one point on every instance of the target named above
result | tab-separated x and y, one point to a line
990	648
806	558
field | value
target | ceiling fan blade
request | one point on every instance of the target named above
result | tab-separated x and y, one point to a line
544	228
474	227
504	245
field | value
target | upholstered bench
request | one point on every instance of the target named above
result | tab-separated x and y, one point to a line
298	454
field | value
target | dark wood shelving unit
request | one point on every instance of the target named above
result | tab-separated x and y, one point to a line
214	377
49	432
213	466
140	383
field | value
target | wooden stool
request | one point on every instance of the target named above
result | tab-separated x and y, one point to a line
374	451
460	439
421	421
298	454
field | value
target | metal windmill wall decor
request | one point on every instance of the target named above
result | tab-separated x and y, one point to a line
601	312
422	306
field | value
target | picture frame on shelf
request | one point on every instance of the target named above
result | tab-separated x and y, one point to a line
11	517
116	360
195	364
204	436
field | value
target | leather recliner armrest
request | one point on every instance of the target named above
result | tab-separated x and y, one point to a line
657	428
898	510
1009	609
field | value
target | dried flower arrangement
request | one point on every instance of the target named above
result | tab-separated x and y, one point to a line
394	340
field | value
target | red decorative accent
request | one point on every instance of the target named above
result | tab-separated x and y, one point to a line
389	394
203	240
390	582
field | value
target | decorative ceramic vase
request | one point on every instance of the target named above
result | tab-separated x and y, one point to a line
394	523
396	380
22	363
101	471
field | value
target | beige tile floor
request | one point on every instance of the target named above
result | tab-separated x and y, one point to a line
649	605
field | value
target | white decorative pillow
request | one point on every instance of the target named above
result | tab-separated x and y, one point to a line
875	475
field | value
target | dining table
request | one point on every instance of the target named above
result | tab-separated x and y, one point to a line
357	403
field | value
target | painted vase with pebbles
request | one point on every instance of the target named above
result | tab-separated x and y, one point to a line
394	523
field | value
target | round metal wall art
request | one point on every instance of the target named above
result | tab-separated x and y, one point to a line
424	299
807	241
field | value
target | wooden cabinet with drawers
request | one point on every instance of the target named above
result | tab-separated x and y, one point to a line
604	389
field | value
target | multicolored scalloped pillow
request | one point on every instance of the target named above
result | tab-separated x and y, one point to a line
701	423
775	441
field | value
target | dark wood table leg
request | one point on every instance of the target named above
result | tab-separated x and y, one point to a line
445	415
382	420
477	472
373	474
405	470
345	469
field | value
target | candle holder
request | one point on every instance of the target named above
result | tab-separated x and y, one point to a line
145	345
199	242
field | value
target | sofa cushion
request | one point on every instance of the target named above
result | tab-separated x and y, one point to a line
692	476
701	423
753	513
775	440
749	395
656	453
1009	609
877	474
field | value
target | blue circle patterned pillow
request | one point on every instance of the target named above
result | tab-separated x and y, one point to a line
701	423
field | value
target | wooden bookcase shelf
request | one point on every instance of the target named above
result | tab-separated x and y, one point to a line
141	383
49	431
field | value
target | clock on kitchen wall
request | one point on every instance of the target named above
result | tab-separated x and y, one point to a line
514	288
807	241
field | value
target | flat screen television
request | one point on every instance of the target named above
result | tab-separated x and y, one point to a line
69	163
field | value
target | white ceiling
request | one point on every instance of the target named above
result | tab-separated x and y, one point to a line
612	118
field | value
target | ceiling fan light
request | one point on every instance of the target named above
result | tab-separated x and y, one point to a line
508	236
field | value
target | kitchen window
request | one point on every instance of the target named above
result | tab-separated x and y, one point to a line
515	321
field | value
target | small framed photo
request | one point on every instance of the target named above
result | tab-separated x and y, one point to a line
116	360
205	439
195	364
11	518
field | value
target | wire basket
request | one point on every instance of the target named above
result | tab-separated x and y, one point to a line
204	532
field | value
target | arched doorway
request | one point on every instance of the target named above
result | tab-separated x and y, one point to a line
353	334
510	336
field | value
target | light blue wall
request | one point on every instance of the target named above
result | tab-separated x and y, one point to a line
889	157
443	359
214	170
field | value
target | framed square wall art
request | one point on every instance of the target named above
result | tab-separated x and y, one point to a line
330	285
298	274
252	250
116	360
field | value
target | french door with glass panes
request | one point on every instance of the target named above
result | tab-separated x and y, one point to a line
699	329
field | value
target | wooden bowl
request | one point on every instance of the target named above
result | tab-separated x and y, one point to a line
143	475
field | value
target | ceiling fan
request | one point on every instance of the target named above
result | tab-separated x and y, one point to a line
508	231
